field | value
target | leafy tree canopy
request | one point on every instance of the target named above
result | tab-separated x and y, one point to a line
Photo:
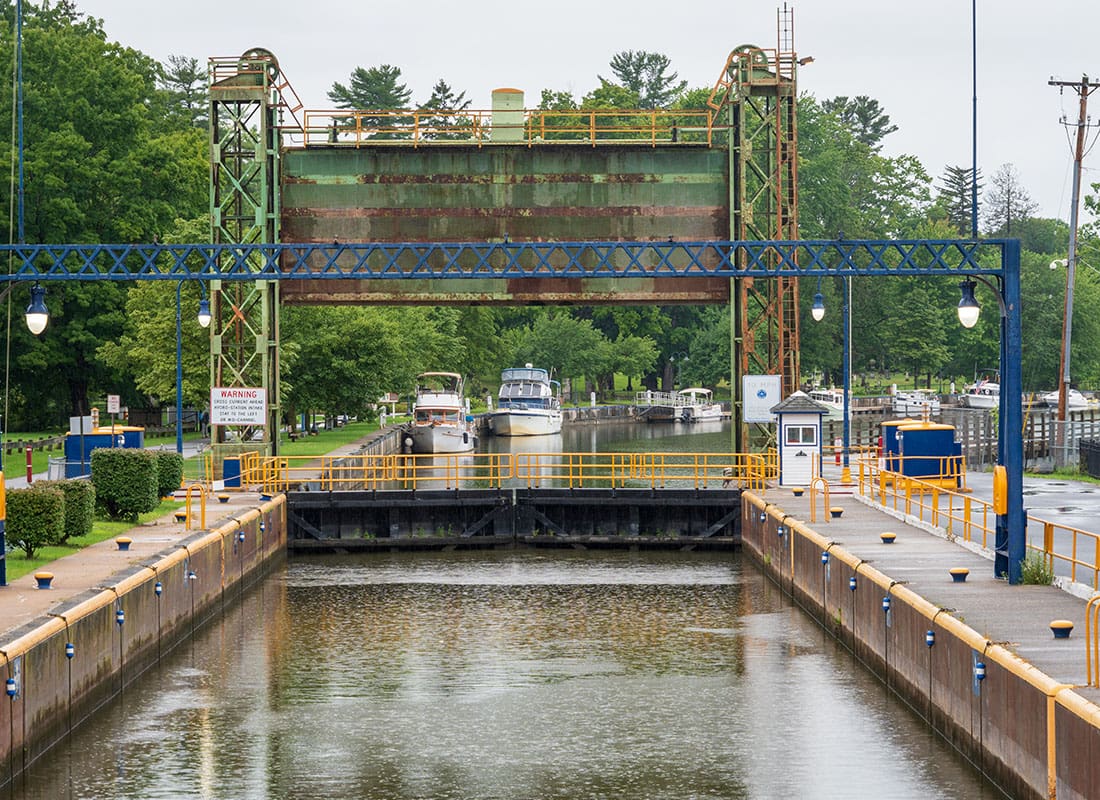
647	76
863	115
375	88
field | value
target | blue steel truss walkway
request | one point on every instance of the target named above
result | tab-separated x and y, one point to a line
459	260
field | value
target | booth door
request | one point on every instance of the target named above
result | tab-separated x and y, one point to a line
800	451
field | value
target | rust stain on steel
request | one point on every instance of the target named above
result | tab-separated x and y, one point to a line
499	179
713	212
509	292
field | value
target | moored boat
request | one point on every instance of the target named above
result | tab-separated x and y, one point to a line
528	404
698	404
833	399
982	394
440	423
1075	401
915	403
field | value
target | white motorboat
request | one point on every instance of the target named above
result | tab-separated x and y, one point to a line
698	404
1075	401
915	403
440	421
528	404
831	398
983	394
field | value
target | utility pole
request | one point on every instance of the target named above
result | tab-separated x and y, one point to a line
1084	88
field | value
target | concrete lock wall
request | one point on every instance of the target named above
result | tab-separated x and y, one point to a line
1031	735
197	577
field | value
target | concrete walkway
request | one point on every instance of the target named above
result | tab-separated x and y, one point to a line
21	602
1017	617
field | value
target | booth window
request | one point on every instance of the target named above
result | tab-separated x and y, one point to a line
801	435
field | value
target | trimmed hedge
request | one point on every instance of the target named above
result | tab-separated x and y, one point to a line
169	472
79	508
125	481
35	518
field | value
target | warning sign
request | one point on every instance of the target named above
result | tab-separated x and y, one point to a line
239	405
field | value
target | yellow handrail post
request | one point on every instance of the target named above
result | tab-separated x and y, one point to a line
1092	641
202	506
813	497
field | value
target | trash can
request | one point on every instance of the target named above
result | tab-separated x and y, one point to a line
231	472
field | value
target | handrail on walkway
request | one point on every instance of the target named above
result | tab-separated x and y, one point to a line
1092	641
202	505
813	497
496	470
939	500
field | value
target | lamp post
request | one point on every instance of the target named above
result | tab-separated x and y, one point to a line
204	321
818	313
37	318
1010	542
677	366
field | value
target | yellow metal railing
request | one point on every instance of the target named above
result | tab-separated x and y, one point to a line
1092	641
942	500
591	127
495	470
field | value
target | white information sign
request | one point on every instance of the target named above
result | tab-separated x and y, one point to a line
113	404
759	393
238	405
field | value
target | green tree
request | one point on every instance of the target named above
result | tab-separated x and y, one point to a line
572	347
708	361
647	75
347	358
100	166
845	188
956	198
915	331
183	83
144	353
864	116
607	98
446	125
373	88
632	356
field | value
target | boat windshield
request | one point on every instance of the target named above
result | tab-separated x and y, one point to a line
439	383
436	416
524	374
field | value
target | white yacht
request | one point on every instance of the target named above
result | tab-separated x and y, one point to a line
440	421
915	403
1075	401
831	398
528	404
983	394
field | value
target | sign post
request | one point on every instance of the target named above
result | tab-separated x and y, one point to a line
113	406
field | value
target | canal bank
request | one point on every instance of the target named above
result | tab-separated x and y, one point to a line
976	659
112	611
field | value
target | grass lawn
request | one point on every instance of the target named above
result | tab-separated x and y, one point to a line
326	440
102	529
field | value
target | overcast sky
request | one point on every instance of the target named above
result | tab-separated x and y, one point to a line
915	58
